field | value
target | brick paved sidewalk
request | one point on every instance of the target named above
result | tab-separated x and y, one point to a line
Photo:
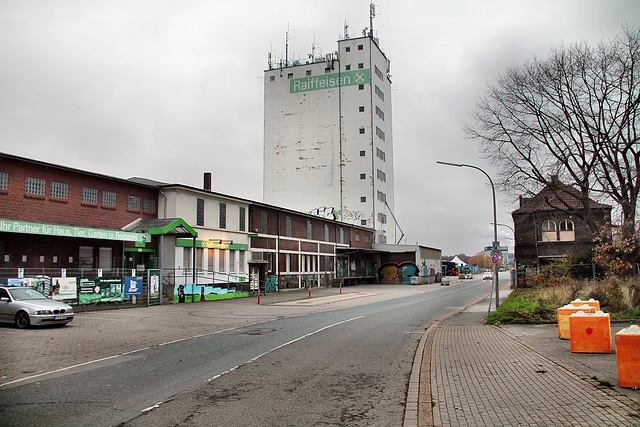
482	376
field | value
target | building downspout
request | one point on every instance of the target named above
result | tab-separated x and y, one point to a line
193	286
160	266
277	260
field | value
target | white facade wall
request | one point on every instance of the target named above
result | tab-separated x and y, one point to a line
332	147
181	202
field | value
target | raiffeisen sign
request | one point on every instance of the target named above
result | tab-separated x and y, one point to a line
330	81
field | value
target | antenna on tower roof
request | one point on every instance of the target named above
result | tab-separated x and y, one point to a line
346	30
372	14
286	47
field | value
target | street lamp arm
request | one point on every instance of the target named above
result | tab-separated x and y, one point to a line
509	227
495	223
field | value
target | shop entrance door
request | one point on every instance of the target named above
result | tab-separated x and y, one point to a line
140	261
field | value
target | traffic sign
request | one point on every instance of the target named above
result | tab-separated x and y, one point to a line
495	258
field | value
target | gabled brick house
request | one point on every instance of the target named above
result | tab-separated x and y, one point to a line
552	224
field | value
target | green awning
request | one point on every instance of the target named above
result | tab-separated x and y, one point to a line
168	226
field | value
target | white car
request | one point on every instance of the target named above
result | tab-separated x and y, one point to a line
487	275
25	306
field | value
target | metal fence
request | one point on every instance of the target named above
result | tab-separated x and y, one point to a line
574	271
89	288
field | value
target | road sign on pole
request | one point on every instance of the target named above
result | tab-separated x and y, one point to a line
495	258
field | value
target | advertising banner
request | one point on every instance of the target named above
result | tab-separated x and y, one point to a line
11	226
100	289
64	288
40	283
154	285
133	285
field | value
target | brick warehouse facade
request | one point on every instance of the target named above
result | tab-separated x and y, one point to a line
302	249
58	217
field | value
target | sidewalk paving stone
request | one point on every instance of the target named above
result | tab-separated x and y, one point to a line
474	374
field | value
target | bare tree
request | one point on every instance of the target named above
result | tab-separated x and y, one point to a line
574	115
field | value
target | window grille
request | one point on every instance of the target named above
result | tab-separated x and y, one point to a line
149	205
108	198
200	212
4	181
59	190
242	219
133	202
35	186
223	215
89	195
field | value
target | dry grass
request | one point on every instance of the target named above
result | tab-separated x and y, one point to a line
618	296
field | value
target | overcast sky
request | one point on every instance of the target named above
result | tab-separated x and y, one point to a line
170	89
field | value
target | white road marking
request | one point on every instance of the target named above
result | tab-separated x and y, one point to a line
281	346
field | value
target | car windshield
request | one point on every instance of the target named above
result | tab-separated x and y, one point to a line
21	294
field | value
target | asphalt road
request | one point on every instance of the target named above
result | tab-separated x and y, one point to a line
340	367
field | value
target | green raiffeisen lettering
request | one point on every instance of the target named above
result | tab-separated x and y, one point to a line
11	226
329	81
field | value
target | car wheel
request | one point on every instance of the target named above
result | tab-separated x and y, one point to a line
22	320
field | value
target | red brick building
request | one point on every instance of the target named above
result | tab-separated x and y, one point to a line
53	217
553	224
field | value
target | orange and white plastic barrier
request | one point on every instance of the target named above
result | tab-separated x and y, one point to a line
628	356
563	318
590	332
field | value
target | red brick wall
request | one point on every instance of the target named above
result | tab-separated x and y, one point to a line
16	204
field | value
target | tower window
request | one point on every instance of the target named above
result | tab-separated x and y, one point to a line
272	78
362	153
361	131
347	49
360	87
308	72
360	47
290	76
363	176
347	67
363	199
360	65
361	109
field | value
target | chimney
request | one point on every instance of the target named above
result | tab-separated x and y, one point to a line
207	181
524	200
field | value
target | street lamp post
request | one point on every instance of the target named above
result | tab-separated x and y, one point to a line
496	245
513	275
